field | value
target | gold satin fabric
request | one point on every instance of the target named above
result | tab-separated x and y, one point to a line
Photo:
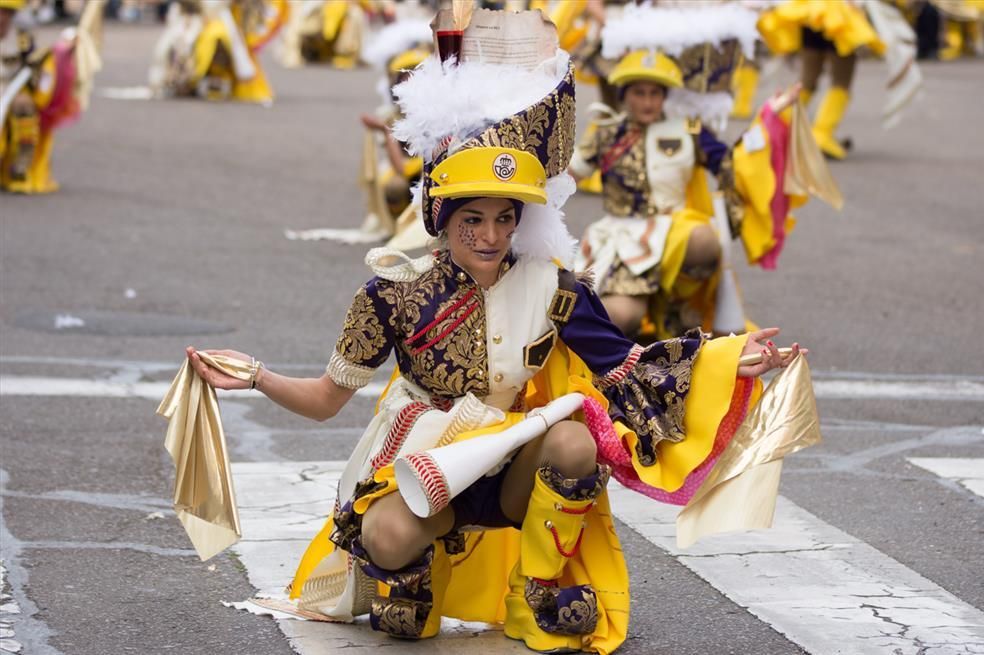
807	172
740	492
204	498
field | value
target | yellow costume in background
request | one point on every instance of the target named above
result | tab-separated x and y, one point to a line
842	23
813	27
963	28
210	49
385	176
656	193
42	90
322	31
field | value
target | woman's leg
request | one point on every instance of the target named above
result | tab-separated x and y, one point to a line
568	447
397	548
395	537
703	253
551	486
811	60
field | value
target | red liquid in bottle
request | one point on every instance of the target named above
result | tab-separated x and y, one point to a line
449	43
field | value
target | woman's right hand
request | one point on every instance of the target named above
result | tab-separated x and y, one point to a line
374	123
214	376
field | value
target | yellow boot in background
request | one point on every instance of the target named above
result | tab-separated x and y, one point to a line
541	613
745	83
829	116
953	37
591	184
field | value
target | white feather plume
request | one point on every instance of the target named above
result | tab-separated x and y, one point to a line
461	100
712	109
542	232
395	39
674	29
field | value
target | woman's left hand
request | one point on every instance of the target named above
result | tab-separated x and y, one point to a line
761	342
784	99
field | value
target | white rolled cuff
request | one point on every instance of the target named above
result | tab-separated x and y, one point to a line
346	374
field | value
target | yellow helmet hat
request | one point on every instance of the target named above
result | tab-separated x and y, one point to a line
406	60
486	171
13	5
646	66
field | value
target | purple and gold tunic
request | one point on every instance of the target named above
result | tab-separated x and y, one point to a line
452	339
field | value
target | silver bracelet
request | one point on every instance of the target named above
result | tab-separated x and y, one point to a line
254	369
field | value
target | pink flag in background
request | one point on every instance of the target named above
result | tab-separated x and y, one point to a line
779	138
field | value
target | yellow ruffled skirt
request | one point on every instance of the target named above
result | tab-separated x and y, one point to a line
841	23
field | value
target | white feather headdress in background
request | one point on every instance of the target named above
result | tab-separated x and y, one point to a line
674	29
395	39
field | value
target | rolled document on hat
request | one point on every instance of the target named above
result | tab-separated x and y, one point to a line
756	358
429	479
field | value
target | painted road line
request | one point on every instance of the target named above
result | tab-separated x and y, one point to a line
820	587
861	389
966	471
282	505
23	385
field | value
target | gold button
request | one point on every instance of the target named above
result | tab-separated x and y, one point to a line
498	377
480	375
462	277
497	339
444	177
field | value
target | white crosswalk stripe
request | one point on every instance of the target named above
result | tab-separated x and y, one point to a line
822	588
967	471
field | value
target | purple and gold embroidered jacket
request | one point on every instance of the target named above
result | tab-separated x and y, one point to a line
451	338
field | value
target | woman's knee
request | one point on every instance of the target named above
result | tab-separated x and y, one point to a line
390	537
703	252
569	448
626	312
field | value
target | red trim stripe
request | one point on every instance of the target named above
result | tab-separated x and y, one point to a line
617	150
406	418
620	372
440	317
432	480
451	328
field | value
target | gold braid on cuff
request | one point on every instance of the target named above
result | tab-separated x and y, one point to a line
346	374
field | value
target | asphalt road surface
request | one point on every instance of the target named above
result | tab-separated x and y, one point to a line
169	231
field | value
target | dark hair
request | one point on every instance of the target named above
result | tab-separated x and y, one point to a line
451	205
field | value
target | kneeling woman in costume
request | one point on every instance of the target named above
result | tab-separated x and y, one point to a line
484	330
211	49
